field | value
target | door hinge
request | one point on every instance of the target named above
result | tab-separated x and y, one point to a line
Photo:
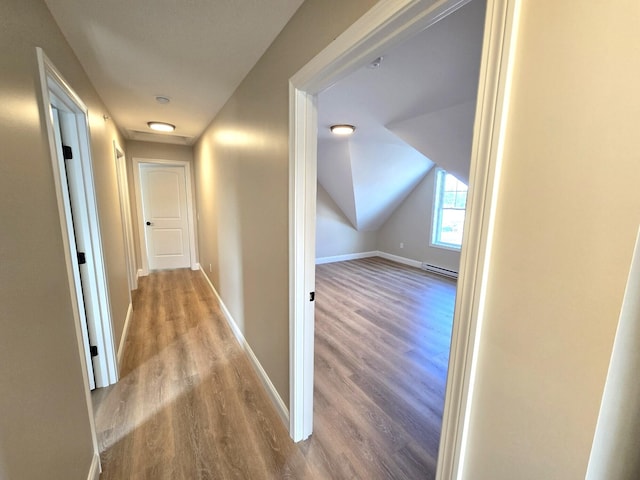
67	153
94	350
82	258
312	296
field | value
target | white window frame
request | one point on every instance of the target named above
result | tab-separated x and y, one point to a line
436	223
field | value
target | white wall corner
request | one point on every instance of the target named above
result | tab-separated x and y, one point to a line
94	469
276	399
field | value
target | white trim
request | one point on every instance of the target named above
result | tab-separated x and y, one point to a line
399	259
125	332
125	211
72	117
486	159
280	406
346	257
388	23
614	439
137	162
95	468
48	72
302	195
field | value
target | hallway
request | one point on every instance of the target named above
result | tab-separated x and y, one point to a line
188	405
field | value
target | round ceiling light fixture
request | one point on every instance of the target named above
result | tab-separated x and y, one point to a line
161	126
162	99
342	129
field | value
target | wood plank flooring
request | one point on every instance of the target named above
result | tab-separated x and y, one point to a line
189	405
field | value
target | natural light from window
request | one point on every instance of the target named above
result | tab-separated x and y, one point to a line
448	213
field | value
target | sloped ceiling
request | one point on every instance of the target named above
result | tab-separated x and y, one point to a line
444	135
369	180
196	53
414	111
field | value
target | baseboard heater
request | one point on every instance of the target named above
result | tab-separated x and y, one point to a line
445	272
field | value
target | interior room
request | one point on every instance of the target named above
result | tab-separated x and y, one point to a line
116	365
413	110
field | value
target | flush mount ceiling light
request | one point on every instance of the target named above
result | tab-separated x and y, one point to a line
161	126
342	129
162	99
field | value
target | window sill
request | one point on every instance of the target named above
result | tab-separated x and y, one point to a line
452	248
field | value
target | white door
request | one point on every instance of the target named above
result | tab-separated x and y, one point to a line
72	190
166	222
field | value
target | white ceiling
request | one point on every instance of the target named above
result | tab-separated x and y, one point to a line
195	52
420	99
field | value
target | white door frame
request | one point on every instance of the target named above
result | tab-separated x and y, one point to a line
125	210
137	163
57	92
388	23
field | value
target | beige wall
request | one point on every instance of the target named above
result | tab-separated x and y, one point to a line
44	420
242	183
410	224
569	210
335	234
153	151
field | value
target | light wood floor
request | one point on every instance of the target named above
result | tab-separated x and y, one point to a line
189	405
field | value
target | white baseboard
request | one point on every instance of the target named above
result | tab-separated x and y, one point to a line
95	469
141	273
344	258
281	408
195	266
389	256
399	259
125	332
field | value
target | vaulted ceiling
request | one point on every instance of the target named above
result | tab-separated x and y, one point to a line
415	110
195	53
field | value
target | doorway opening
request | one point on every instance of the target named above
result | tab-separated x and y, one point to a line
164	202
382	325
385	25
67	128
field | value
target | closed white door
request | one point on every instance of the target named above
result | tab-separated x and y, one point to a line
166	223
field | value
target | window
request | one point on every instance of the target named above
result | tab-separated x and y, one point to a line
448	211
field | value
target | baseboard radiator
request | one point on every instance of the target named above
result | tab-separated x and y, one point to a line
445	272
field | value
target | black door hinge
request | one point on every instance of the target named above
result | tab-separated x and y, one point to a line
312	296
82	258
94	350
67	153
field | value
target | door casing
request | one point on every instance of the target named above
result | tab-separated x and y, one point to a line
125	210
58	93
